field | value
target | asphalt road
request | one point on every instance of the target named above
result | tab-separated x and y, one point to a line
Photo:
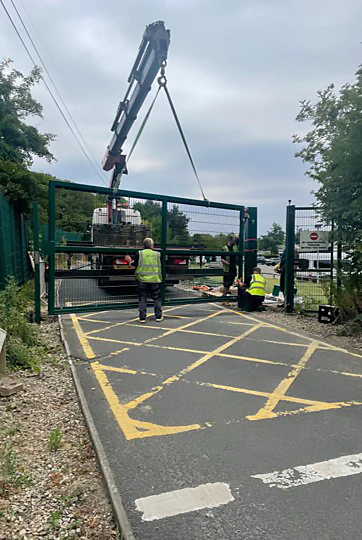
210	418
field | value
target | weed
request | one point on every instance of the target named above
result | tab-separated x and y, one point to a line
55	439
54	519
12	431
9	474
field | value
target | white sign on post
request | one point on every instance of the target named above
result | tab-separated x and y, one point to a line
314	240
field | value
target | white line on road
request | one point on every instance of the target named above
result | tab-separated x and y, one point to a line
185	500
316	472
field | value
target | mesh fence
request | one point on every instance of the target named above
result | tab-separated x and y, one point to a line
97	239
316	255
14	260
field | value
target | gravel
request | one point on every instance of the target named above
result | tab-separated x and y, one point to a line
44	493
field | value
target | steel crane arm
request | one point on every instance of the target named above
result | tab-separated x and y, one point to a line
151	56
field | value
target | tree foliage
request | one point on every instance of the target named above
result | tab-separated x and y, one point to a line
19	141
177	222
333	151
272	239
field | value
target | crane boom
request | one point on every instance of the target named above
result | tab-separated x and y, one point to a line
151	57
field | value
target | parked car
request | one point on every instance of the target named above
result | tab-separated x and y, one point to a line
275	261
268	261
260	259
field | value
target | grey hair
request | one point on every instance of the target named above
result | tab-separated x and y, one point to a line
148	243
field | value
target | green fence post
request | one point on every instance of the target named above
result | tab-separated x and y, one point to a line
289	259
251	241
241	242
163	249
51	247
2	247
339	265
36	262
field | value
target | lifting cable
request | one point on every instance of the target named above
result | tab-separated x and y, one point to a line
162	81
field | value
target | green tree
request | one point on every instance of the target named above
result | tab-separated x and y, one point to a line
177	222
19	141
272	239
21	186
333	151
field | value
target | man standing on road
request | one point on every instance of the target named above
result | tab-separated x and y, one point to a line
252	297
229	263
149	277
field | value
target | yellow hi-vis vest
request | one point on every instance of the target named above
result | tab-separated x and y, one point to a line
257	285
149	266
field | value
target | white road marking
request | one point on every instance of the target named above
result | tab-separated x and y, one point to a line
316	472
185	500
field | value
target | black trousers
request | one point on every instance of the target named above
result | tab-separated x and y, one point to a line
249	302
154	291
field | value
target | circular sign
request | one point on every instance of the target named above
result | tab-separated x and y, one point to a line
314	236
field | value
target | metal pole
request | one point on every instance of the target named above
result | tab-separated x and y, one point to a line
2	246
332	264
251	241
51	245
163	250
241	243
289	262
36	261
339	265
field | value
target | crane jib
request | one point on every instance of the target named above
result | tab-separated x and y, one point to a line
151	56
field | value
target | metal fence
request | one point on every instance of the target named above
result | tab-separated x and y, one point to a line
14	260
311	258
88	270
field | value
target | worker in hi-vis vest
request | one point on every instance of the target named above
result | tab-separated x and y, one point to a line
149	277
252	296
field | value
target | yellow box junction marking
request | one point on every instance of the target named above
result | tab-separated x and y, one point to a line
138	429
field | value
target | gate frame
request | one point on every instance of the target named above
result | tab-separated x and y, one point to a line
290	255
52	248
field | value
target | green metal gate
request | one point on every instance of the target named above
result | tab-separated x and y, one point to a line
87	267
311	258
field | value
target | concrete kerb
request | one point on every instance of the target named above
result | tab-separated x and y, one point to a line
115	498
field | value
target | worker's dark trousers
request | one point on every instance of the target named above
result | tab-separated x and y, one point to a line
249	302
154	291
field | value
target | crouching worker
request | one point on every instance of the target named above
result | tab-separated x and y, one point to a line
251	298
149	277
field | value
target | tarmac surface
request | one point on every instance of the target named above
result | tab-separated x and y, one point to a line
219	425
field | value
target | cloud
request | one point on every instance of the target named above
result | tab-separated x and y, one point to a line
236	72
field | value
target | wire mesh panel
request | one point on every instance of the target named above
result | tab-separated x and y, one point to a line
95	236
314	267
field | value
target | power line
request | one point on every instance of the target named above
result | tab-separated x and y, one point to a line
48	88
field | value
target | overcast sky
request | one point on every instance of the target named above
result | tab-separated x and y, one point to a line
237	71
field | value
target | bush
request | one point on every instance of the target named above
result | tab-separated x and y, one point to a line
23	349
348	296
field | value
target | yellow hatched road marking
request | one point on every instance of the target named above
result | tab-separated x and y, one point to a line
321	344
133	429
123	323
223	355
324	405
82	337
191	367
184	327
283	386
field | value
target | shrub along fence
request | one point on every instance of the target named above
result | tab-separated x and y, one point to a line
14	241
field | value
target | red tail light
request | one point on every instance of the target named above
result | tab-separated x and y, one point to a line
180	261
120	261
